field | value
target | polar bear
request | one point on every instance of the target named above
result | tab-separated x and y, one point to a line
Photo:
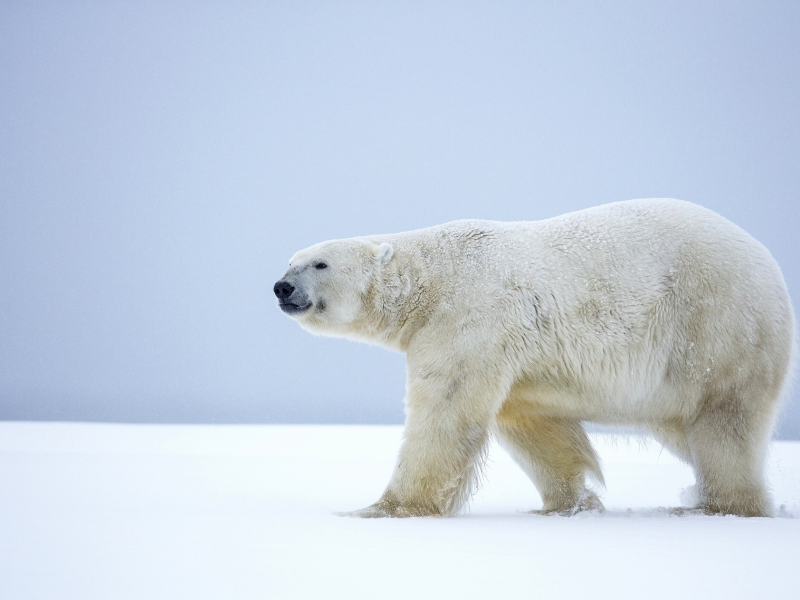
655	313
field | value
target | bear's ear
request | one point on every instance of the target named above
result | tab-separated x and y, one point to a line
383	253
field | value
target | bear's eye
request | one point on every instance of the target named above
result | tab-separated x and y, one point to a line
321	265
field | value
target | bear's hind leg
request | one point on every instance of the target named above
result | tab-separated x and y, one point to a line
556	454
729	443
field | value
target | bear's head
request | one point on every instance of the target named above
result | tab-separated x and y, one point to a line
327	284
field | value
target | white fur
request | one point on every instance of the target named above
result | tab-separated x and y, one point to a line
657	313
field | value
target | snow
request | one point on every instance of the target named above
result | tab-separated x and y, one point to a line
237	512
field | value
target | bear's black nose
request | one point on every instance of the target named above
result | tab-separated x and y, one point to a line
283	290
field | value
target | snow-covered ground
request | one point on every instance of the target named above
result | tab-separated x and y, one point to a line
238	512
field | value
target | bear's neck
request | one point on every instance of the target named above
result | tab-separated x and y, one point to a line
396	302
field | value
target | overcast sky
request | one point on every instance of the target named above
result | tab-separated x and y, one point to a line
161	161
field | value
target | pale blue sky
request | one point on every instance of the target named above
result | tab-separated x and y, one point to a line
160	162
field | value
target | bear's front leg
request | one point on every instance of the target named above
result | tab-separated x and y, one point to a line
447	425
